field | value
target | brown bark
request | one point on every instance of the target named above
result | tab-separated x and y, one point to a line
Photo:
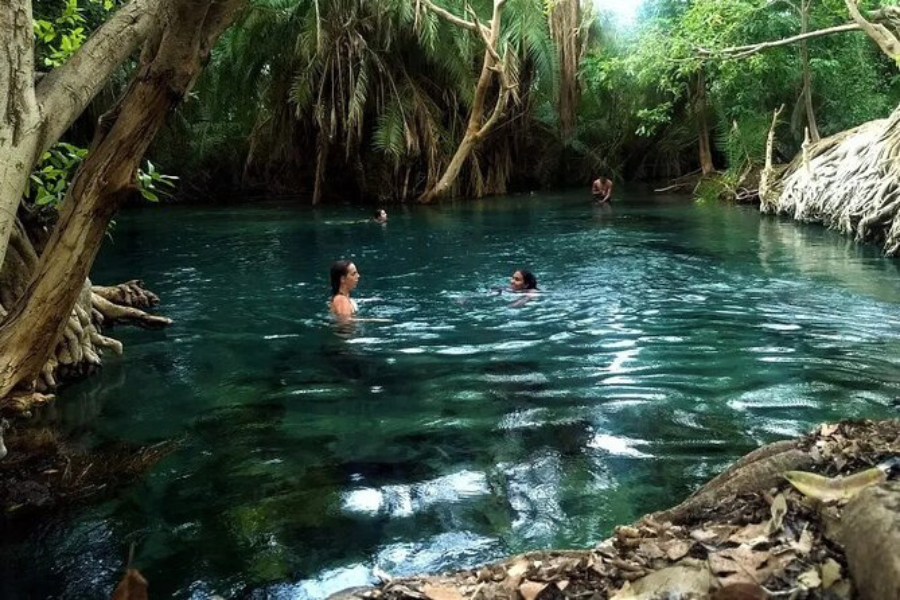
807	74
170	64
565	21
493	71
700	108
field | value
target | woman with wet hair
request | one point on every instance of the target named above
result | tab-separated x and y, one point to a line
523	280
344	279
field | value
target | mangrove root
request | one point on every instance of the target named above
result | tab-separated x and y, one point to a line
849	182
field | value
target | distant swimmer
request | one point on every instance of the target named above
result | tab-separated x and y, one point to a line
602	189
380	216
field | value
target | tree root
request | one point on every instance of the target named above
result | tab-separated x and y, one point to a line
849	182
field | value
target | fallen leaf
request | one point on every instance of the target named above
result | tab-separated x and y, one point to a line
803	546
651	549
826	430
562	585
519	568
834	489
676	549
831	573
779	509
746	565
752	534
714	534
133	586
810	579
531	589
686	579
440	592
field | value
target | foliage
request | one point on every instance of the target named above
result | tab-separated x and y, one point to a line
50	180
58	34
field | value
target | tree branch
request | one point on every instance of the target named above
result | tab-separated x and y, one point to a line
745	51
65	92
886	40
448	16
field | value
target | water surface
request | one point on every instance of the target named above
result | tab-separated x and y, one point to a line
671	337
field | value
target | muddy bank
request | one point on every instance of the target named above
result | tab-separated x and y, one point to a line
748	534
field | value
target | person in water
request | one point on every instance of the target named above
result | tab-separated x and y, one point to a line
602	189
380	216
523	280
344	279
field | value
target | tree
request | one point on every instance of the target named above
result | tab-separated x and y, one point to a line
177	46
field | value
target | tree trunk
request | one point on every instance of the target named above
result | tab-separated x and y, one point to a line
169	66
807	75
705	148
492	69
565	20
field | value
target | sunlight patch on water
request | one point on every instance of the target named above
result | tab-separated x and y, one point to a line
406	500
618	446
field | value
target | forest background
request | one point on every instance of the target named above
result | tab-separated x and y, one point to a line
367	100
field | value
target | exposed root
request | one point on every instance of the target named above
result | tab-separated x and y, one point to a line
117	313
849	182
23	403
131	293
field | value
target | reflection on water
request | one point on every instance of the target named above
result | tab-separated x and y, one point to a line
669	338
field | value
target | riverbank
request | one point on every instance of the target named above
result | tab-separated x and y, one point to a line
747	534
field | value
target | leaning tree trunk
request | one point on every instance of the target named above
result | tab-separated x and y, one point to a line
493	69
169	66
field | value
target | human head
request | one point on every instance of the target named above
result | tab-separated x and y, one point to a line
343	272
523	279
380	215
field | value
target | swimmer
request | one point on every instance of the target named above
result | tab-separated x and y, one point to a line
344	279
380	216
523	282
602	189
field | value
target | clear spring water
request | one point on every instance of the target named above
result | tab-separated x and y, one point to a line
671	338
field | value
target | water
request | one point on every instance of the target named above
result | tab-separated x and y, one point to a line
671	338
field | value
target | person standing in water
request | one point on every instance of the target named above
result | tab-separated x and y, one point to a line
344	279
602	189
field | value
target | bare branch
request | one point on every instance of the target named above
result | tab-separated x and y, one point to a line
745	51
448	16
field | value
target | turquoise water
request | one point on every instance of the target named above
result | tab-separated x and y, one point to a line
671	337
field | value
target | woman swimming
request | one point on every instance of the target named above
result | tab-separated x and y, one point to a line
523	280
344	279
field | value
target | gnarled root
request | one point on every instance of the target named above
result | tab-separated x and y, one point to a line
849	182
131	293
111	313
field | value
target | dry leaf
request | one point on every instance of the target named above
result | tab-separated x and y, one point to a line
562	585
826	430
688	578
651	549
803	546
714	534
676	549
831	573
531	589
810	579
779	509
834	489
518	569
133	586
745	565
752	534
440	592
